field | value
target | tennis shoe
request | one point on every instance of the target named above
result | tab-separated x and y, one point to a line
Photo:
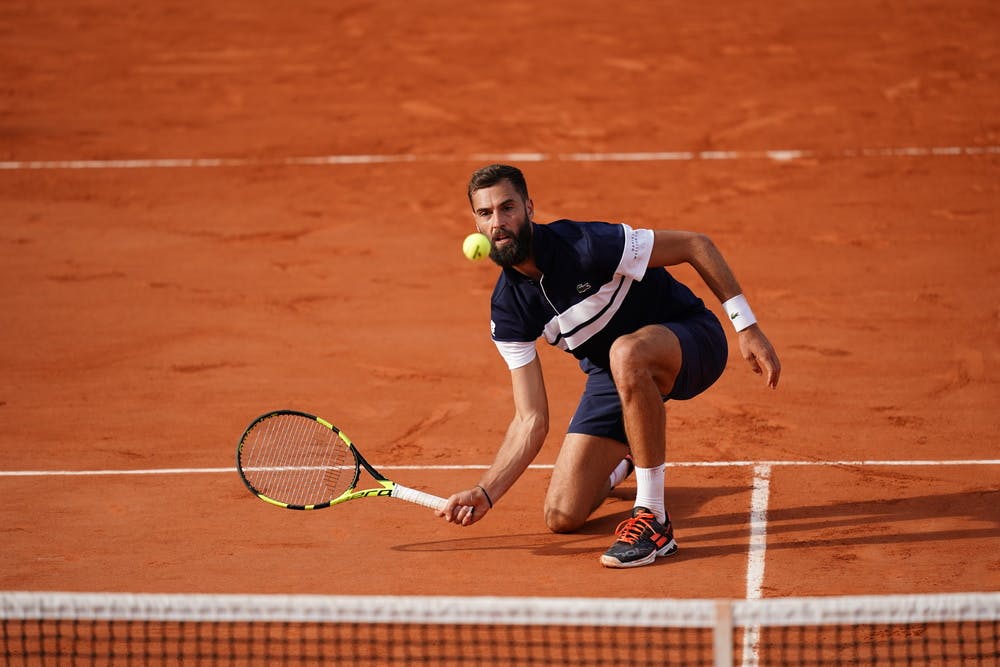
641	538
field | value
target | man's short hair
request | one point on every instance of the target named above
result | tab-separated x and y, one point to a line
490	175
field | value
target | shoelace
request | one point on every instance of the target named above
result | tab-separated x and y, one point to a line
630	530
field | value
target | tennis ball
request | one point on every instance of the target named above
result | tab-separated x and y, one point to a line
476	246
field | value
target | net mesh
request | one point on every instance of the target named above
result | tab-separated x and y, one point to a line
145	629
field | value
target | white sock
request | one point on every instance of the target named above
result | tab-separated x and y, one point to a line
649	490
620	472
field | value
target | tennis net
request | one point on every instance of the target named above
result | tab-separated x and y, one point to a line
49	628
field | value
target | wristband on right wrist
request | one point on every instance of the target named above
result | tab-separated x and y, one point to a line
739	313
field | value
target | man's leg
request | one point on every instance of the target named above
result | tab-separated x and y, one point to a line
579	481
645	366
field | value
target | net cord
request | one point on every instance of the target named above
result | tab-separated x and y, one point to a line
689	613
874	609
358	609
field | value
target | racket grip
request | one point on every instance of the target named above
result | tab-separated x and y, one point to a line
418	497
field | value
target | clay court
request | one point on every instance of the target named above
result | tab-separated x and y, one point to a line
215	210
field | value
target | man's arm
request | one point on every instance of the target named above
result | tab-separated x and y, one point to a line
676	247
521	444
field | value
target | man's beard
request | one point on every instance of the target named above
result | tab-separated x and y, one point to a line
515	251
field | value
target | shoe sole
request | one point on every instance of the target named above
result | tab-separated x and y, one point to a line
669	550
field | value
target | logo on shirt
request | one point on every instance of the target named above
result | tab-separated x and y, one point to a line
493	328
582	288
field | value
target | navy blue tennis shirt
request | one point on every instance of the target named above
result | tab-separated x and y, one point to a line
595	288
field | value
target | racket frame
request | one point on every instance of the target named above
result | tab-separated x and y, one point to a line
386	486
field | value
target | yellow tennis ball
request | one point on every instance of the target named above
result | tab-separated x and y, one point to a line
476	246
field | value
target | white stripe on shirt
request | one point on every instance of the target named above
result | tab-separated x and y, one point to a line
582	321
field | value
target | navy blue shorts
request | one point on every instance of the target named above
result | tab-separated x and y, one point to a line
704	352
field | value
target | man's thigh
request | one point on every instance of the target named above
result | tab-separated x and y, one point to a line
580	479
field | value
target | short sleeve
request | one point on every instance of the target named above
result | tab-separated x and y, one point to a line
636	253
516	354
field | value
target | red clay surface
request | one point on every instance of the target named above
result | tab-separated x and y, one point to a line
150	313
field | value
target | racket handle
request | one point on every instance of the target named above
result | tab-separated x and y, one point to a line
418	497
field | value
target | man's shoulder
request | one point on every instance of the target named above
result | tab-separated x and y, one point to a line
570	243
582	236
578	228
506	284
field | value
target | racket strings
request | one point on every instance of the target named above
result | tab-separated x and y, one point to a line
296	460
331	478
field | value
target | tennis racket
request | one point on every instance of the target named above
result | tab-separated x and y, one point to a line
301	462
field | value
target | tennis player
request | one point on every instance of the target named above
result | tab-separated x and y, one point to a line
600	292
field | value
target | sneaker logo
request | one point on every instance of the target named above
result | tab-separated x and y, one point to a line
583	287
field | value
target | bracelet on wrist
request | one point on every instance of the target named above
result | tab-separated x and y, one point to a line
488	499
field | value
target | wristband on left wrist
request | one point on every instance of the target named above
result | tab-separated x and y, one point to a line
739	313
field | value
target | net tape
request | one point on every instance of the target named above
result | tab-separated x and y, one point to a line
848	610
358	609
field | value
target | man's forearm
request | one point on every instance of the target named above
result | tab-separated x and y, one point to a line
713	269
520	446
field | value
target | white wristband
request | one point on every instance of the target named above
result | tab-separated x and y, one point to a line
739	313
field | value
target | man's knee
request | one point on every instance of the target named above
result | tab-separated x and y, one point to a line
623	352
559	520
646	354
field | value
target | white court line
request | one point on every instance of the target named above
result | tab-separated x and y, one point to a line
845	463
536	466
756	556
781	155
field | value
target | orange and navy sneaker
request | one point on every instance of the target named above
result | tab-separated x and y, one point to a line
641	539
